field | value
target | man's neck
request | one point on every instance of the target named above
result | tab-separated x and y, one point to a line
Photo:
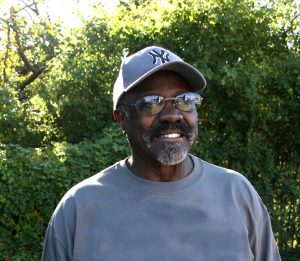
158	172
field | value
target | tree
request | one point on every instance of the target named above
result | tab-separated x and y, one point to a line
28	47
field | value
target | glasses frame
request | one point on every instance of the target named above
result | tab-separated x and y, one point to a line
174	100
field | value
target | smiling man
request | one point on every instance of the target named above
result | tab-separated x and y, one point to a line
161	203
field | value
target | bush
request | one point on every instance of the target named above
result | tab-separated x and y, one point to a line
32	181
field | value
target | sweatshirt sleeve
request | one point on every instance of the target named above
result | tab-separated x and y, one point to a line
53	249
262	241
59	238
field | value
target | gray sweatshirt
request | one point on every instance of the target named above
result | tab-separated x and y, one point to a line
213	214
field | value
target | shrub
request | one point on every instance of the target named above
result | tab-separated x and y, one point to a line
32	181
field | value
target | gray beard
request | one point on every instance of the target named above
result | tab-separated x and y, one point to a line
170	154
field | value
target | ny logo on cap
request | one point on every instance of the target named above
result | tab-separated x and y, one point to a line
163	56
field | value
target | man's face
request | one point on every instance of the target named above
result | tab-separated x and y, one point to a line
164	138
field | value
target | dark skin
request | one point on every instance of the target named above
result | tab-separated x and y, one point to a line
143	161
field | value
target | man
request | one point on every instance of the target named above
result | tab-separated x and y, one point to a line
161	203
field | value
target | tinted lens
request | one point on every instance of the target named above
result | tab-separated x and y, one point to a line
188	101
150	105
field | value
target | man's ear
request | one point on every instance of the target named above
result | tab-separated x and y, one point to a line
119	118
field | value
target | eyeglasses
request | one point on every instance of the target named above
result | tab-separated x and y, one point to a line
151	105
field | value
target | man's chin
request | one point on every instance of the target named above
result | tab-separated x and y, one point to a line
171	154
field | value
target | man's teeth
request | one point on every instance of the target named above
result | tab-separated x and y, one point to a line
169	136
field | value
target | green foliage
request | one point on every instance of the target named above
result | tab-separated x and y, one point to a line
27	123
32	181
83	89
249	54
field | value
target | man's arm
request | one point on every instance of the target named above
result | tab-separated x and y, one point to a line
53	249
59	239
262	242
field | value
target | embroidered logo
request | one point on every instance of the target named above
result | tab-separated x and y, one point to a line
163	56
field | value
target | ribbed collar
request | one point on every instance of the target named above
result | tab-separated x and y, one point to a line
162	187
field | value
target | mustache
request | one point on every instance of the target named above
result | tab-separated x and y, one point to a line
165	126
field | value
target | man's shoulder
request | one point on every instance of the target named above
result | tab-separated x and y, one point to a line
105	175
104	180
223	176
229	183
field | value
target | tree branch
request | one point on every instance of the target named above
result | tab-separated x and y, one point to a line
12	24
35	9
19	44
5	78
29	80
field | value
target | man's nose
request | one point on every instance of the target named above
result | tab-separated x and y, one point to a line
170	113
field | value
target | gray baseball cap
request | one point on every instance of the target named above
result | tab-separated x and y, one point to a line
138	66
